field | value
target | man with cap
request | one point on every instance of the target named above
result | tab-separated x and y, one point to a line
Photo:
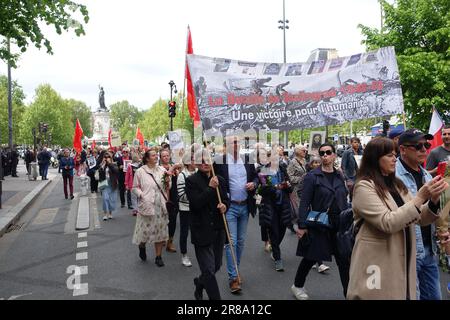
413	146
394	135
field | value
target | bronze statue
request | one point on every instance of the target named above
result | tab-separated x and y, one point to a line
101	99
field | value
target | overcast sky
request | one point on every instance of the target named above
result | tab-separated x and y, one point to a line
134	48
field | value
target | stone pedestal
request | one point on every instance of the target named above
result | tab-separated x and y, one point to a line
102	124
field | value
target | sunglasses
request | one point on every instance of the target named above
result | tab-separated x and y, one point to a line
328	153
419	146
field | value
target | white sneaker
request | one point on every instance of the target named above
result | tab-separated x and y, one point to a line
322	268
105	218
110	216
186	261
299	293
315	266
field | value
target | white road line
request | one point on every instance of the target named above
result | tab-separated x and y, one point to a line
82	235
82	244
81	256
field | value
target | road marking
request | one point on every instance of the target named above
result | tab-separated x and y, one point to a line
82	235
45	216
18	296
81	256
82	244
74	280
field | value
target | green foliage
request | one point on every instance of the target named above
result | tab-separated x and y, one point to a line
83	113
49	107
21	21
124	113
18	109
156	121
420	32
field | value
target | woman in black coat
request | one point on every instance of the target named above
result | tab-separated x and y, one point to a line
323	190
275	208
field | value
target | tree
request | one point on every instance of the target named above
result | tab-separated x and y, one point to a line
420	32
21	21
123	111
155	122
18	109
50	108
83	113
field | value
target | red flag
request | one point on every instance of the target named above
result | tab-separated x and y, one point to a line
109	137
93	145
77	137
435	130
192	104
139	136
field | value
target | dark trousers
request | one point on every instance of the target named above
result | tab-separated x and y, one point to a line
14	169
94	183
264	234
185	219
68	179
121	183
43	170
343	265
172	222
28	165
209	260
130	205
276	232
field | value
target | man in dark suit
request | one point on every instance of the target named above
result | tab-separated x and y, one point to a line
207	226
241	182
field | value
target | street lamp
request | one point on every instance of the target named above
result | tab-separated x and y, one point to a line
172	104
283	26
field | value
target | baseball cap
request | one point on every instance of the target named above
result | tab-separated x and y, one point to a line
413	135
395	133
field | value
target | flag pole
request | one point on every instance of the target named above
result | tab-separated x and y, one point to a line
404	120
184	79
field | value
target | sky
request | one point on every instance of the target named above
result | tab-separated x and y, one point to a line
134	48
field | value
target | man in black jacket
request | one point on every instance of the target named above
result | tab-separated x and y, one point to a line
241	183
207	226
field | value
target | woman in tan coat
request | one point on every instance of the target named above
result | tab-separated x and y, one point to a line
152	219
383	263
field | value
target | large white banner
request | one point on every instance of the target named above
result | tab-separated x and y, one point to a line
235	94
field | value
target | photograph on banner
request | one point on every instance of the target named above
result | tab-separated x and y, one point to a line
176	143
115	139
295	95
91	162
316	139
136	143
125	164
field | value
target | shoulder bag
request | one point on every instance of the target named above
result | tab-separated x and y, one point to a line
317	219
170	206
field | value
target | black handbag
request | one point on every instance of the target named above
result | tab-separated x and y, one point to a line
170	206
346	235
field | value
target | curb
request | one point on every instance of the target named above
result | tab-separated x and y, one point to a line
16	212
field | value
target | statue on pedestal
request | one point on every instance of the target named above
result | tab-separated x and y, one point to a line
101	100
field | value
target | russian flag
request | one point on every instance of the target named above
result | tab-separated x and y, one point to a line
435	130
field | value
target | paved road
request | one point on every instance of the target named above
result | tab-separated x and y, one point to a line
39	260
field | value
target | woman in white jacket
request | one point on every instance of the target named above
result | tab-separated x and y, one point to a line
183	203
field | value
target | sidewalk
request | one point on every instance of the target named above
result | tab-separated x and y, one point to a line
18	194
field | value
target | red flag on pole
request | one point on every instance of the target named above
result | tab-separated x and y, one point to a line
77	137
192	104
139	136
93	145
109	137
435	130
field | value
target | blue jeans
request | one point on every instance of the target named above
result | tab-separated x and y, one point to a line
237	218
109	197
428	285
43	170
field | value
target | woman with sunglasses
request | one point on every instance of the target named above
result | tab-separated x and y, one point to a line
383	262
324	190
108	171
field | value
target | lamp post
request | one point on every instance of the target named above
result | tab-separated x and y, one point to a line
10	128
173	89
283	26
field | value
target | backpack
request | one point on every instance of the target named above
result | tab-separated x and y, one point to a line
346	235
